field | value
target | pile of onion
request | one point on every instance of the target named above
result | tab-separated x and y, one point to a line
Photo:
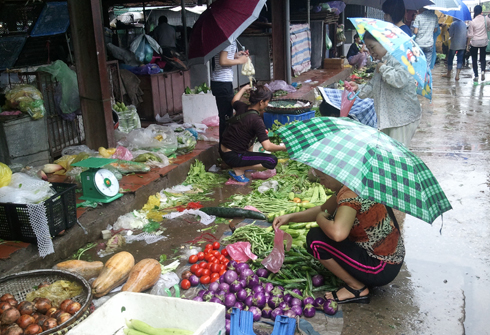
26	318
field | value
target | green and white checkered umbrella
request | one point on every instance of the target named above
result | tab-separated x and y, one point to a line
370	163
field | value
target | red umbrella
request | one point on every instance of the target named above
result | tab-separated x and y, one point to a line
219	25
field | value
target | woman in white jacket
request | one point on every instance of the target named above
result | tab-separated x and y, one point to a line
478	40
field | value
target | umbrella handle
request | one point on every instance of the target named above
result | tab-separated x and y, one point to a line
350	97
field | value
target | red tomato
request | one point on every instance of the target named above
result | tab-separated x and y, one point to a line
193	259
215	268
214	279
222	272
216	245
185	284
205	279
206	272
222	267
208	257
215	261
207	250
221	258
214	276
200	256
224	252
199	272
209	246
216	253
194	267
211	259
226	261
203	265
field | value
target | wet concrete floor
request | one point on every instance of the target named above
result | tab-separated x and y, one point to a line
443	287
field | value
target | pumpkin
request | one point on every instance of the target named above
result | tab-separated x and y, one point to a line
143	275
85	269
114	273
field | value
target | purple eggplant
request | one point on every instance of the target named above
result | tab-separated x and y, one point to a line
295	302
248	301
230	300
198	298
283	305
262	273
194	280
249	290
318	303
258	288
239	305
227	326
225	287
290	314
330	307
252	281
235	286
266	312
230	277
309	311
317	280
297	309
308	301
232	265
241	266
245	273
241	295
256	312
287	298
297	291
268	287
216	300
220	295
274	301
201	293
213	286
222	279
258	299
243	281
278	290
208	295
275	313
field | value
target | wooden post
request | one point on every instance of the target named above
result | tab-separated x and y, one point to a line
93	80
278	39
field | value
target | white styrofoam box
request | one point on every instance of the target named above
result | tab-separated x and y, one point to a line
197	107
203	318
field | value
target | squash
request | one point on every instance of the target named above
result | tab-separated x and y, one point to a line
114	273
85	269
143	275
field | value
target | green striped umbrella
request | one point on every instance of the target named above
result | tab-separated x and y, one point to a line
370	163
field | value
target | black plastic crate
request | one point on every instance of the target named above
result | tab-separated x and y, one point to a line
61	212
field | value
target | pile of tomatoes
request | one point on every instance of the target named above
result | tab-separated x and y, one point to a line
208	265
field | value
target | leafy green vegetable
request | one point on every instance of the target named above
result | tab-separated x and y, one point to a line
80	251
163	258
151	227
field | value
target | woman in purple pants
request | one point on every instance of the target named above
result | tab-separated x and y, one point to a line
241	132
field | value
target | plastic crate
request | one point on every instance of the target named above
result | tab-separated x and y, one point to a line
269	118
61	211
202	318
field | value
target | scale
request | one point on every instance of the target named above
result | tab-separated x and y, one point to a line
99	185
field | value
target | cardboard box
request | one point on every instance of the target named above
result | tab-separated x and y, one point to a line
333	63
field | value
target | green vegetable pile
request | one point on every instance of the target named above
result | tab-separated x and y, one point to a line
200	178
198	89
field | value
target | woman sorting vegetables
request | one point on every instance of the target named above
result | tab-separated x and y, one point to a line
241	132
360	243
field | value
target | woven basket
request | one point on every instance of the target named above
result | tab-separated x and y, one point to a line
294	110
21	283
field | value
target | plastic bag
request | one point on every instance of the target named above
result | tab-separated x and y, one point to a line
165	281
212	121
129	119
5	175
146	69
123	55
346	102
274	261
186	142
24	189
126	167
123	153
151	163
328	42
264	174
130	221
241	251
70	101
277	85
76	149
143	46
153	138
28	99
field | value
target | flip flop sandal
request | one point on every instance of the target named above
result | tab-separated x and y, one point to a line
240	179
357	296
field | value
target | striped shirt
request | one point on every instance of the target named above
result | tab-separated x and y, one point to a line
224	73
425	22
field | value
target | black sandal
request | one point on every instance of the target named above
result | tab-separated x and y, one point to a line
357	296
